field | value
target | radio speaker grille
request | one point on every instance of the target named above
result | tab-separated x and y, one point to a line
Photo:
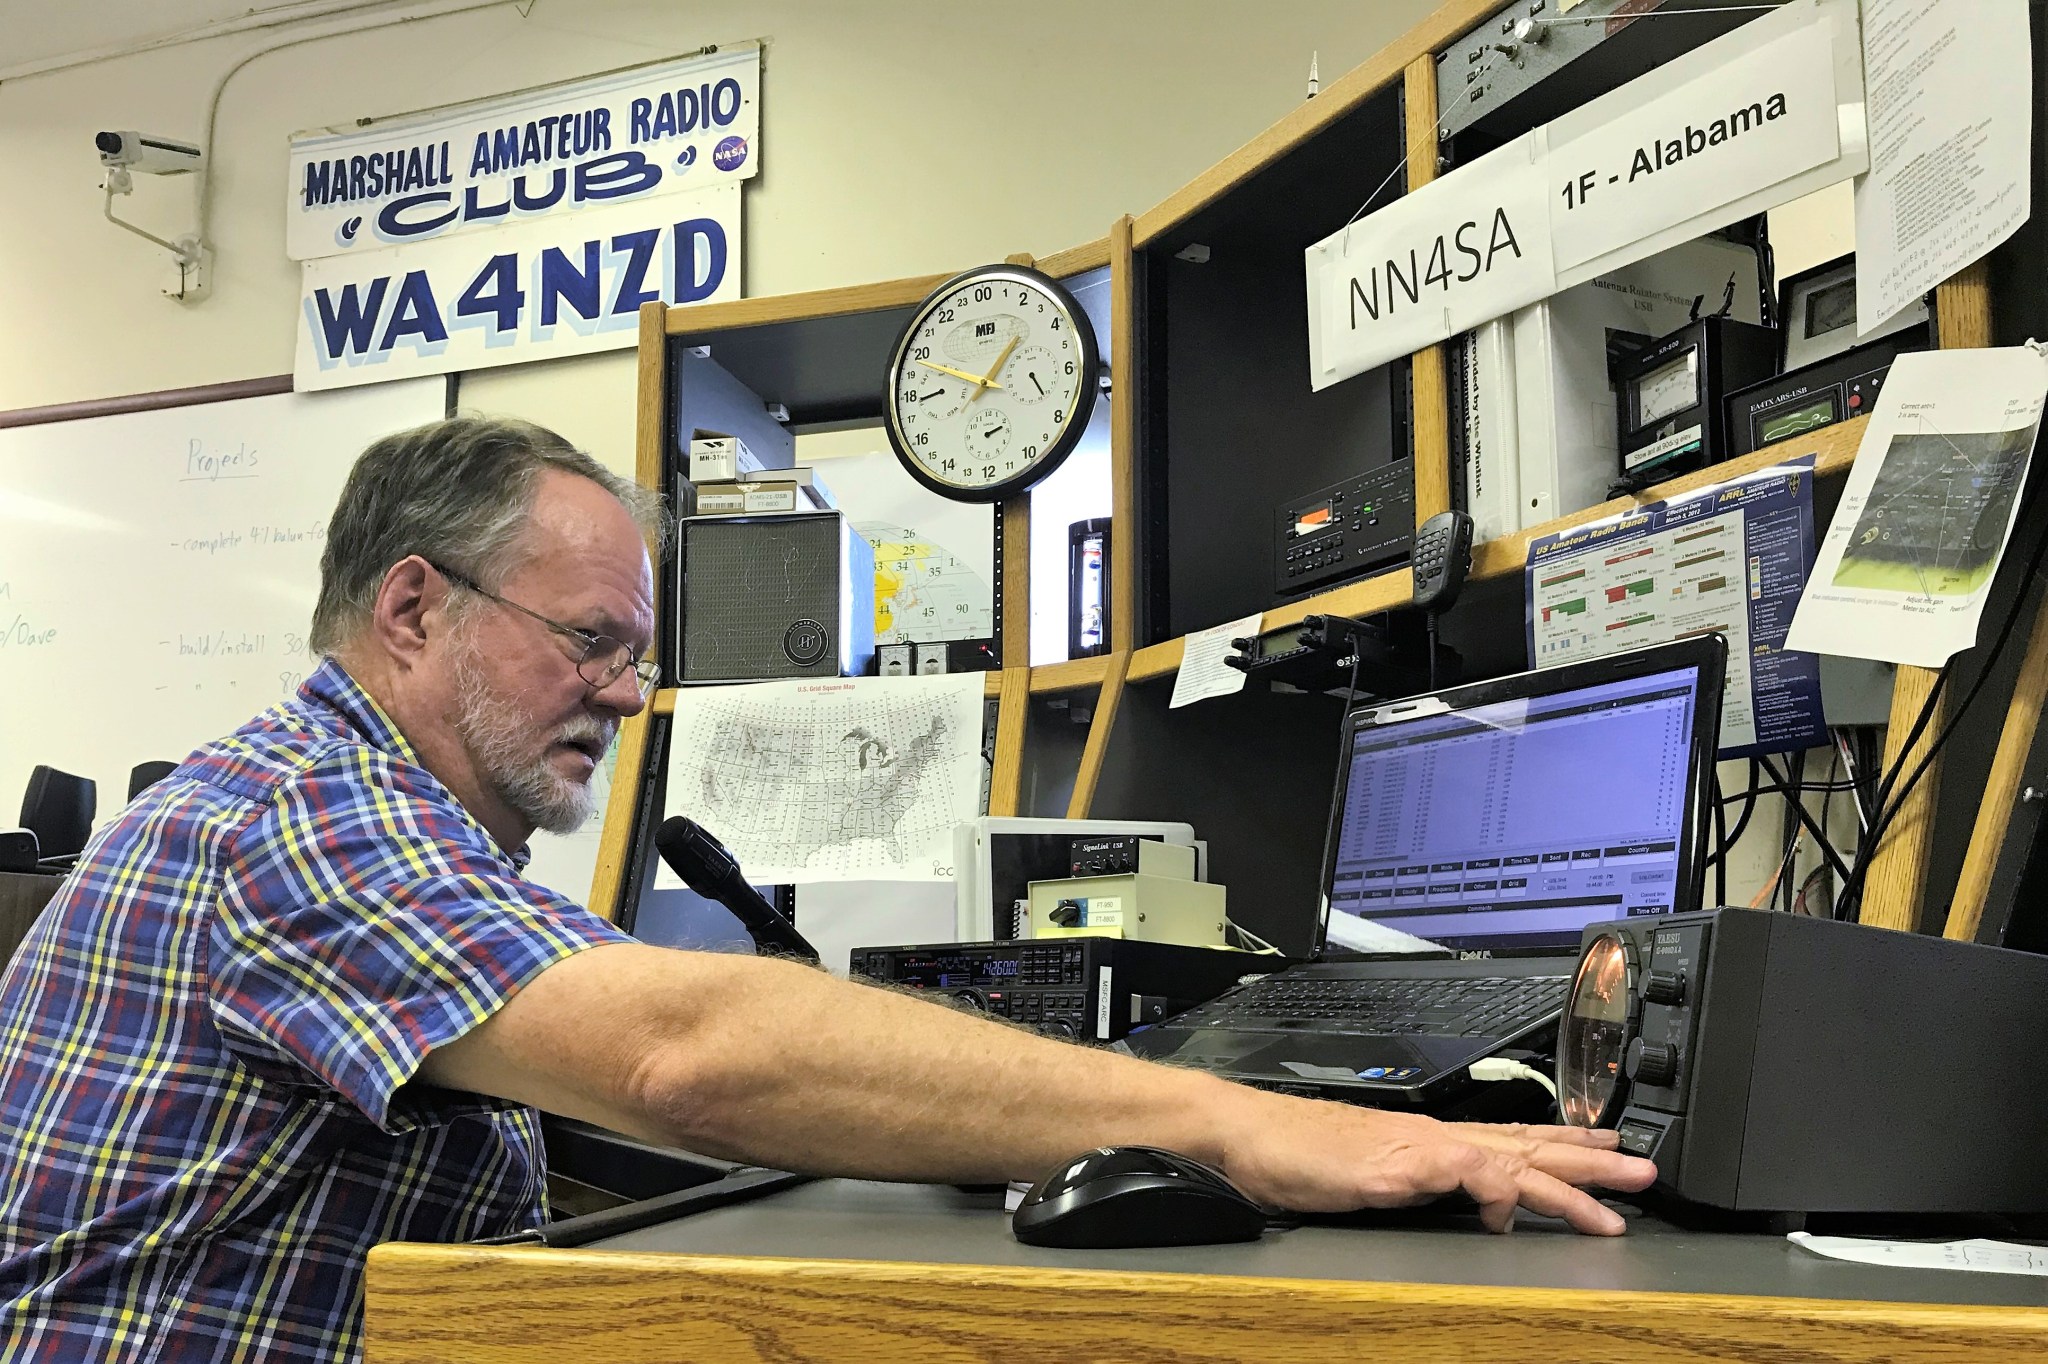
765	597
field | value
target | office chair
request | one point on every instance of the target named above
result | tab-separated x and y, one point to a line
146	775
59	809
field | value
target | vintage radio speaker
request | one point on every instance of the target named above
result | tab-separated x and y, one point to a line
766	597
1775	1063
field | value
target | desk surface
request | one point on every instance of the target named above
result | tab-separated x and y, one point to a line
843	1219
847	1271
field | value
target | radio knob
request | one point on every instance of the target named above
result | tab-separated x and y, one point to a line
1652	1063
973	999
1061	1027
1665	987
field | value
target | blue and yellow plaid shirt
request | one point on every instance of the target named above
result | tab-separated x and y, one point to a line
204	1048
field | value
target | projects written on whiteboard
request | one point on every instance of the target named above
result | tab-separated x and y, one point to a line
158	571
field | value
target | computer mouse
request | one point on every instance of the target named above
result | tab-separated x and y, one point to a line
1118	1196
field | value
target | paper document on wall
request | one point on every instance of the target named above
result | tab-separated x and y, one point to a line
1928	508
1728	559
1951	120
1977	1255
830	779
1203	672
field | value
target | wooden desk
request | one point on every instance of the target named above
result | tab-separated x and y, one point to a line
22	897
851	1271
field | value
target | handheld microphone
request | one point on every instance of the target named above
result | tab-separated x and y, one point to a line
707	868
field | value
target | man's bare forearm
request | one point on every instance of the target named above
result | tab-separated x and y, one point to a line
778	1064
782	1065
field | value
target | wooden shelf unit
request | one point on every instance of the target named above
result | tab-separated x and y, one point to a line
1230	204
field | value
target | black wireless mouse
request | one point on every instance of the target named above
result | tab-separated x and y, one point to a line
1117	1196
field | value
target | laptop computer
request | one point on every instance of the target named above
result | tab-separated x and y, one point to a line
1474	833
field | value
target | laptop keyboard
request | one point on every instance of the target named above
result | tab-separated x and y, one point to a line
1491	1006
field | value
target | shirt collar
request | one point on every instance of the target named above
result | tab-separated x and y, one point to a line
331	686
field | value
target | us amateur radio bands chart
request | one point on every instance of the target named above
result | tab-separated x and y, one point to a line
1524	820
1730	559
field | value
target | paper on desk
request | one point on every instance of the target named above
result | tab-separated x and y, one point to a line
1950	87
1928	508
1203	673
1979	1255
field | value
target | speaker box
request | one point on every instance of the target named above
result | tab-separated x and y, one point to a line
1775	1063
766	597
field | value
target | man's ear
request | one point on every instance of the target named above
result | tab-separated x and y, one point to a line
411	606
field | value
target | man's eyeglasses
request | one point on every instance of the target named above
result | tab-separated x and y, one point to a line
603	658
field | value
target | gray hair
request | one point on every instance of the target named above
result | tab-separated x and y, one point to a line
458	492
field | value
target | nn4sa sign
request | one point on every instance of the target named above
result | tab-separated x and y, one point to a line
551	287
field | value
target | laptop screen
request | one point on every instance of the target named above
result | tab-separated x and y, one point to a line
1511	824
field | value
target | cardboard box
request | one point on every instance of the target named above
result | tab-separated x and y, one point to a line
718	458
807	481
732	499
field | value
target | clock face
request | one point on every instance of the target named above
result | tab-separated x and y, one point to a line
991	384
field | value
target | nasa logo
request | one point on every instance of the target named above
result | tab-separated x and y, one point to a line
730	153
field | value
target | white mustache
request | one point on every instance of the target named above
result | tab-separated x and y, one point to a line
587	729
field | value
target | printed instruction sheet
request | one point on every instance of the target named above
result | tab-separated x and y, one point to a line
1203	672
1979	1255
1928	508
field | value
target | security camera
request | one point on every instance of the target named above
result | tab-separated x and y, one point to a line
148	153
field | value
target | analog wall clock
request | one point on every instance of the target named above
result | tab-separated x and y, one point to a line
992	383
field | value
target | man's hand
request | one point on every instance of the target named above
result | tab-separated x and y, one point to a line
1285	1158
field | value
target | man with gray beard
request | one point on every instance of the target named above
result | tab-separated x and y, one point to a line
298	998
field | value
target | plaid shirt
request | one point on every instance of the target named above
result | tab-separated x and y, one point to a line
205	1043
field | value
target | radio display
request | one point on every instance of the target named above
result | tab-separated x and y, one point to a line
1309	520
1785	424
955	970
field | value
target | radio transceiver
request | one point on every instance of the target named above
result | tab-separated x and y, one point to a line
1092	988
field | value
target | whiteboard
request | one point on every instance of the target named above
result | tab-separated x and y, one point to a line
158	572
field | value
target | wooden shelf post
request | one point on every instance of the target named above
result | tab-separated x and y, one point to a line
1429	377
1896	885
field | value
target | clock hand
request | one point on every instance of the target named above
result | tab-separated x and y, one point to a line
1032	375
988	380
959	374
